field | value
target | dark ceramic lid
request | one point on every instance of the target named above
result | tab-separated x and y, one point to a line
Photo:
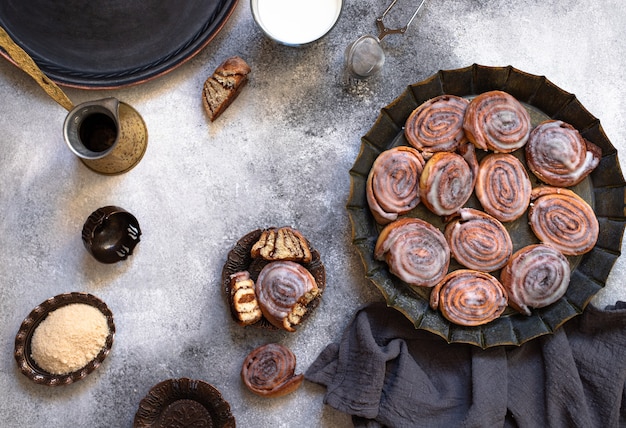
181	403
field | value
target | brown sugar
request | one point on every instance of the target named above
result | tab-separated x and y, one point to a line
69	338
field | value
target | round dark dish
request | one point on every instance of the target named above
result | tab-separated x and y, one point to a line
604	189
113	43
183	402
239	259
24	335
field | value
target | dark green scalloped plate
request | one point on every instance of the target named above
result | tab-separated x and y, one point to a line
605	190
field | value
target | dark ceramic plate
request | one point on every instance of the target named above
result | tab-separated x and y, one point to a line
24	335
604	190
239	259
93	44
183	403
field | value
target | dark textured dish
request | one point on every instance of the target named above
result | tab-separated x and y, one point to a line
113	43
183	402
239	259
24	335
605	190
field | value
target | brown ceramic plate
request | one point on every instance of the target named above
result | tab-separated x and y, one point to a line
112	43
604	190
183	403
239	259
24	335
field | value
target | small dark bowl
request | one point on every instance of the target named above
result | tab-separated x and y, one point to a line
183	402
239	259
110	234
25	333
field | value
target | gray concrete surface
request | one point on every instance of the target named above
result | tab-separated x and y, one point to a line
279	155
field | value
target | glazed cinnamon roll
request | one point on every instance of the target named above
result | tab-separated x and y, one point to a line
269	371
283	290
536	276
446	183
392	184
561	218
503	187
415	251
469	297
558	155
478	241
496	121
437	124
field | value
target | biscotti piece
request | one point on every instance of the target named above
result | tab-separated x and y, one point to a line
283	243
221	88
244	300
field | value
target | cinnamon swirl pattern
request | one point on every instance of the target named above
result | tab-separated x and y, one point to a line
496	121
535	277
478	241
392	184
446	183
558	155
415	251
283	289
437	124
269	371
469	297
503	187
561	218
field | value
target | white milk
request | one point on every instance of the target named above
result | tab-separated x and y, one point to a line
296	22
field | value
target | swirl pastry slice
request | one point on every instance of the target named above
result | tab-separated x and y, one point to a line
415	251
535	276
245	306
392	184
269	371
437	124
282	243
283	290
469	297
496	121
503	187
478	241
446	183
561	218
559	156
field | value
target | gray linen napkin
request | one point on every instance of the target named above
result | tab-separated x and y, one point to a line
385	372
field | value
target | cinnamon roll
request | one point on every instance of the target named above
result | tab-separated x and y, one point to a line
558	155
269	371
283	290
469	297
503	187
415	251
496	121
563	219
446	183
437	124
392	184
478	241
536	276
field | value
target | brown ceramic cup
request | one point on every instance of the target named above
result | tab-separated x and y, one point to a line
110	234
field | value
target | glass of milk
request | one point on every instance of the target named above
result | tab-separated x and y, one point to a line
296	22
